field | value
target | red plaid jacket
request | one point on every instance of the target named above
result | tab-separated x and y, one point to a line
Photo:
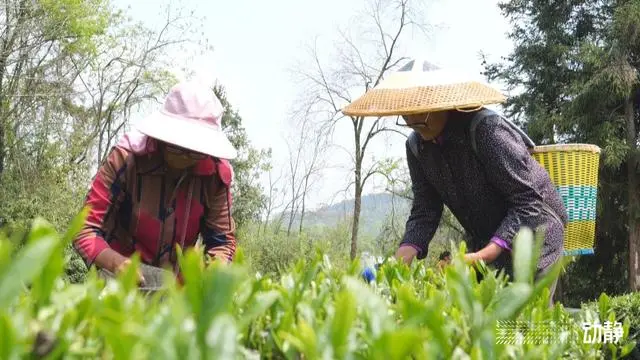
136	205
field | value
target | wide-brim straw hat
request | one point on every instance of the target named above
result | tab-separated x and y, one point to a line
421	87
190	118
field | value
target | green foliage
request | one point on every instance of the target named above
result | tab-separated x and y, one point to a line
625	29
624	307
314	310
75	23
271	251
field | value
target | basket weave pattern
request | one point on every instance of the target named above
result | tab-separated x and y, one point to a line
385	102
573	168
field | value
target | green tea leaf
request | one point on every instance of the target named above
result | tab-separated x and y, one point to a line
603	306
546	280
9	347
28	265
75	226
43	285
6	252
221	338
216	294
191	268
438	324
627	349
460	288
304	339
261	302
398	344
487	290
342	324
511	300
523	257
375	307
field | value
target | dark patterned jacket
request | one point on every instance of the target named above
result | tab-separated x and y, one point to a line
492	193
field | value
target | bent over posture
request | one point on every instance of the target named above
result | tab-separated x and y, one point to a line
162	186
470	159
493	191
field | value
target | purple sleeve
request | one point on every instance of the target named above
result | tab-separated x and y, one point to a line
418	249
503	244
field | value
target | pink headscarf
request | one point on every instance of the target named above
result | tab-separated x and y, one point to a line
138	143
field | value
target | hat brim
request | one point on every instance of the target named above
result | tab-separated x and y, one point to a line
422	99
191	135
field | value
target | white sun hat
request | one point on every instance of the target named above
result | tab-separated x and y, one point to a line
191	118
420	87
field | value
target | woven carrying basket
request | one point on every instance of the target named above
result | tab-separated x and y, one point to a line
573	168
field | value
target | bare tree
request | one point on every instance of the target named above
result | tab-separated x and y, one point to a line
314	139
361	65
295	158
313	167
306	144
274	193
128	73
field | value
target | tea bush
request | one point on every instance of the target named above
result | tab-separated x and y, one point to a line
628	306
314	310
271	251
625	307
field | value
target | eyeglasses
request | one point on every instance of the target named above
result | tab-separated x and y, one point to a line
421	125
181	151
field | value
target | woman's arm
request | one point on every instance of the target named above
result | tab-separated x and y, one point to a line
426	210
102	199
218	231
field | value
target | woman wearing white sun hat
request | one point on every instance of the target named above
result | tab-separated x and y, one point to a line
162	185
469	158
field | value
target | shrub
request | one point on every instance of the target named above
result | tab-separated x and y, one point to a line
624	307
628	306
270	251
314	310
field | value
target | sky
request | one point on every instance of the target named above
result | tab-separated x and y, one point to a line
256	44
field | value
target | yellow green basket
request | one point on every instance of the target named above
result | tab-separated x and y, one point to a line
573	168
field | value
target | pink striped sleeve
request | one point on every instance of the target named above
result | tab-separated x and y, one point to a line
103	194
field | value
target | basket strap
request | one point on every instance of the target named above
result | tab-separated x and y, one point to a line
484	113
553	213
414	143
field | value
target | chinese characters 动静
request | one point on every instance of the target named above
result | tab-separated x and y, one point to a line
608	332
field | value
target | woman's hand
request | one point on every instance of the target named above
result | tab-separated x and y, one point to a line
111	260
406	253
488	254
123	266
471	258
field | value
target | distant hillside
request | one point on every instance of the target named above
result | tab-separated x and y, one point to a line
375	210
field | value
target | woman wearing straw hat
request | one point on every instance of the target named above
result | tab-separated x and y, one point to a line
484	173
162	186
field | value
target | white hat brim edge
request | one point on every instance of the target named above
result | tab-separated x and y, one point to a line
187	134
